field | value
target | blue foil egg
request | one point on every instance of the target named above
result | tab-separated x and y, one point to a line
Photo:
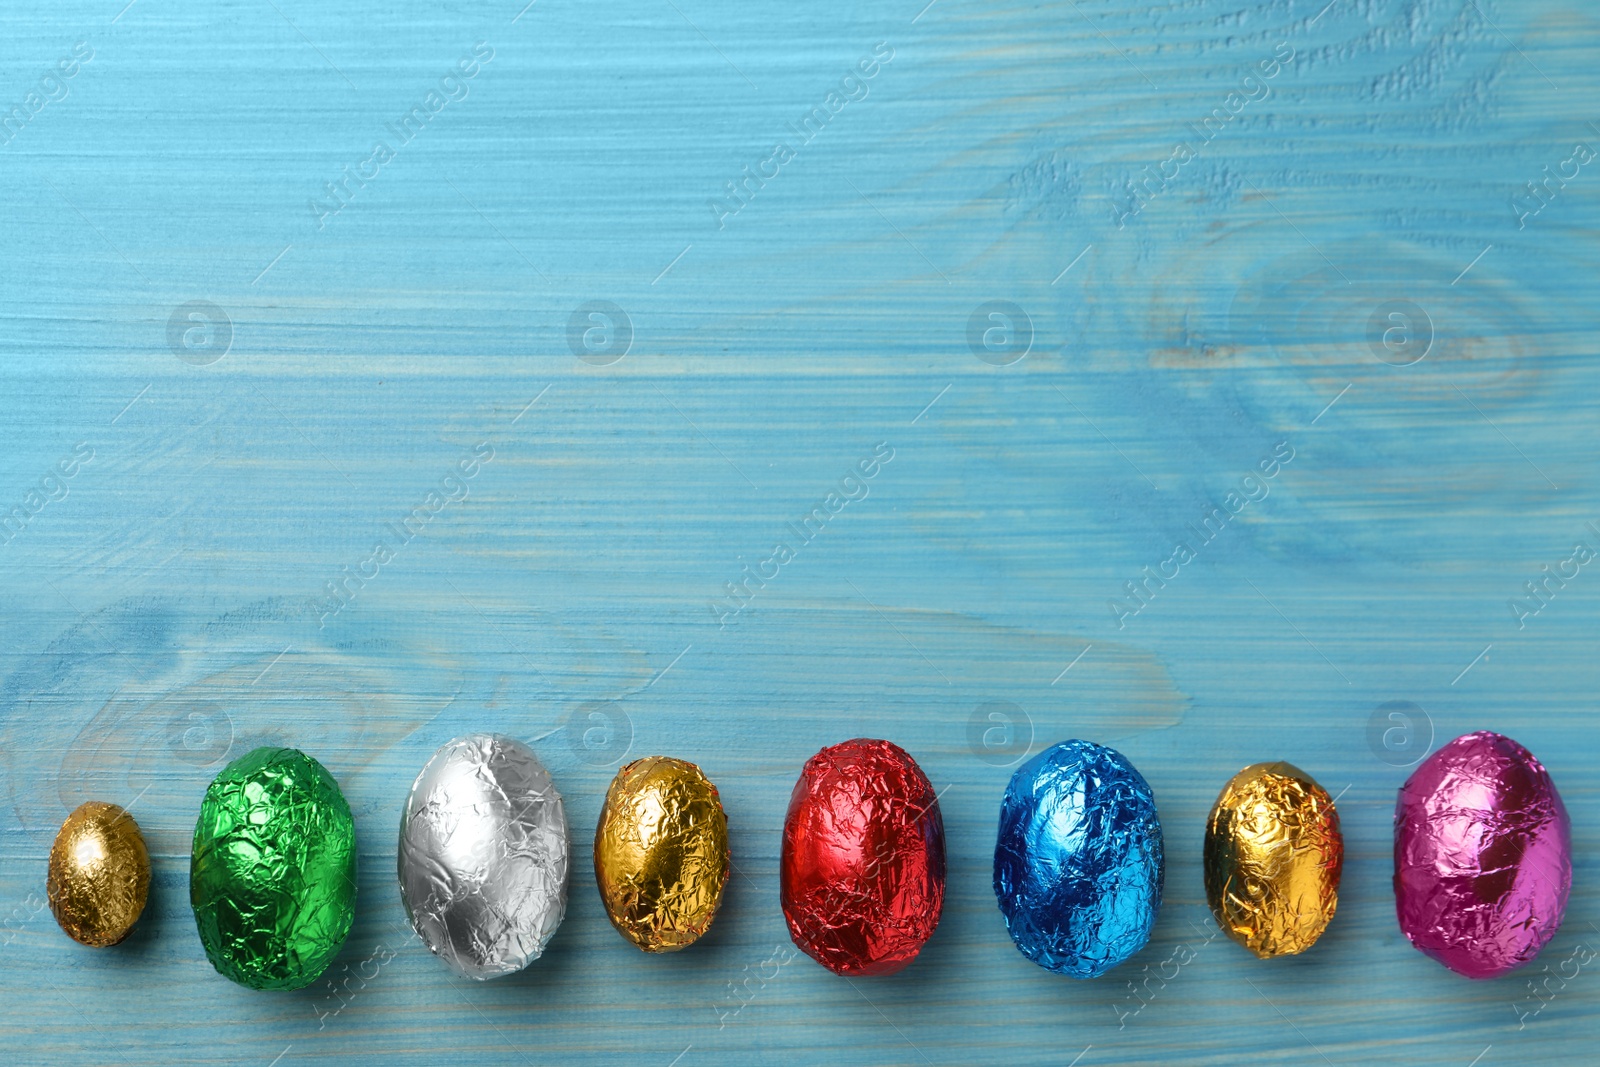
1078	865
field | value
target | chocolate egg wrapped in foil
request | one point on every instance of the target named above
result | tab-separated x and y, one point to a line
1273	856
272	877
661	853
1078	863
863	866
1482	856
484	855
99	875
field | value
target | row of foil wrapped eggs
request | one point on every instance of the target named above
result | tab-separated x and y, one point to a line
1482	855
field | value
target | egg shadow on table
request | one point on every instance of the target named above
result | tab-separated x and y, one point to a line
560	965
141	948
568	957
141	943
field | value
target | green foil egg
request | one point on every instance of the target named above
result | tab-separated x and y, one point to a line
272	878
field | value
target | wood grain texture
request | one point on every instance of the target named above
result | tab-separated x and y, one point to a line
165	604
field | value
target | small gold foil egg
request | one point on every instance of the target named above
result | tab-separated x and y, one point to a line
1273	856
99	874
661	853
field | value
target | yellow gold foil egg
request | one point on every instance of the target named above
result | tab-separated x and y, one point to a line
661	853
1273	856
99	874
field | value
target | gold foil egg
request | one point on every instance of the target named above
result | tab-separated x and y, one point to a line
1273	856
99	874
661	853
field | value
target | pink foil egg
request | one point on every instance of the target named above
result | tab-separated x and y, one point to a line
1482	856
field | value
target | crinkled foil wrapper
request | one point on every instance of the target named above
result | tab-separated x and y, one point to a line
661	853
99	875
1078	863
863	868
484	855
272	877
1273	856
1482	856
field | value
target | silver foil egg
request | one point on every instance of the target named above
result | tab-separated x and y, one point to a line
484	855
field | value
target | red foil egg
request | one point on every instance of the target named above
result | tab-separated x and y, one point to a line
862	880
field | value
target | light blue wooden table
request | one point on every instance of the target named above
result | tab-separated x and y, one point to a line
675	270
